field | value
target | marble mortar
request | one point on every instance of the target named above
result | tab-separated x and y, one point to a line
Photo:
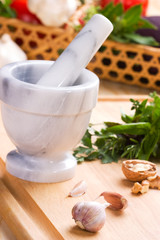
44	123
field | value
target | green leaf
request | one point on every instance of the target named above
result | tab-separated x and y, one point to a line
82	1
111	124
119	38
77	28
126	118
118	10
83	150
90	12
5	9
146	115
136	38
113	12
100	142
156	109
86	140
148	145
107	11
139	128
132	16
144	23
7	2
80	159
97	133
131	151
107	159
141	107
92	156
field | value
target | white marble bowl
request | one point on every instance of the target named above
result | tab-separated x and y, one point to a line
44	123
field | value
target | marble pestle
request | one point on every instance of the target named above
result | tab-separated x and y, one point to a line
78	54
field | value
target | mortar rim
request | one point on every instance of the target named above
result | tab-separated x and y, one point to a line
6	74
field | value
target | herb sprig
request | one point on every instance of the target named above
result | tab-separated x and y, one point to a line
125	23
5	9
138	137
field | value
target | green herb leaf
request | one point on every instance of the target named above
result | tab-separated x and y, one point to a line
82	1
144	23
140	128
86	140
125	23
136	38
92	156
107	11
100	142
91	11
107	159
148	144
139	137
111	124
131	151
5	9
112	12
132	16
120	39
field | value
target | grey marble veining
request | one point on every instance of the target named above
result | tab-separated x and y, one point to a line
58	101
46	106
44	123
78	54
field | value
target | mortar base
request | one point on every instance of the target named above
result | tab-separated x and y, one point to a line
37	169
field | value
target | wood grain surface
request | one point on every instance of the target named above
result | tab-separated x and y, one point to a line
45	209
42	211
21	213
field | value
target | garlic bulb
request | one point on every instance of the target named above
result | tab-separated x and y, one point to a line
10	51
53	12
90	216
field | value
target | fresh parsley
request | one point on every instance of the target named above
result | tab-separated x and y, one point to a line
137	138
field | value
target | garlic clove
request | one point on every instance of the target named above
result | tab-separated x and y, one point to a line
79	189
90	216
116	200
54	13
10	51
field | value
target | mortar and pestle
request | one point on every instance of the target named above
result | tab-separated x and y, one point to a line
46	106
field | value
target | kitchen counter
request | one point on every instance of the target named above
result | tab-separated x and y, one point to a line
33	210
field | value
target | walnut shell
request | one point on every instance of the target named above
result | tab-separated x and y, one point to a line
138	170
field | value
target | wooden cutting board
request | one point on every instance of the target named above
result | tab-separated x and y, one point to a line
43	211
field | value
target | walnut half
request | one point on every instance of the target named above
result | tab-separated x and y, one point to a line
138	170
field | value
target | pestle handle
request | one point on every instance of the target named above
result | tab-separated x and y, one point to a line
78	54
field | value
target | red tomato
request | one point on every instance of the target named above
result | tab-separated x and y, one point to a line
129	3
103	3
81	21
20	6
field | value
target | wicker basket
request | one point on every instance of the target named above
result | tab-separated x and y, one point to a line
37	41
127	63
